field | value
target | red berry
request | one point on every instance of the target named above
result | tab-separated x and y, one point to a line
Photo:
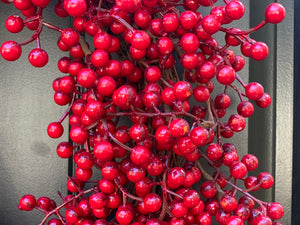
129	6
152	202
274	13
226	75
75	7
199	136
188	19
235	10
179	128
78	134
189	43
14	24
259	51
140	40
238	170
27	203
265	180
140	155
104	151
264	101
211	24
183	90
254	91
55	130
228	203
208	189
10	50
275	210
70	37
152	74
40	3
86	77
245	109
124	96
98	200
214	152
73	214
64	150
237	123
250	161
38	57
170	22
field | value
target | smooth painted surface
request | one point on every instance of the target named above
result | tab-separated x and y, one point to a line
28	159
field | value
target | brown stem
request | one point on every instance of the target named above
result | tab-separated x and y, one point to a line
164	187
259	26
126	193
54	211
68	110
119	143
84	46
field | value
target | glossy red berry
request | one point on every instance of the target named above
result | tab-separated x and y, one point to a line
226	75
235	10
55	130
78	134
238	170
73	214
40	3
245	109
237	122
179	128
183	90
208	189
86	77
254	91
214	151
75	7
27	203
259	51
265	180
275	210
250	161
124	96
274	13
64	150
14	24
234	220
211	24
170	22
70	37
98	200
129	6
104	151
140	40
152	74
10	50
152	202
38	57
140	155
264	101
228	203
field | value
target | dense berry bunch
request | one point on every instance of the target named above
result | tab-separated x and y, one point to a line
149	171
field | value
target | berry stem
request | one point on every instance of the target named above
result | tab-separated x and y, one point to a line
52	27
256	28
164	187
67	112
54	211
126	192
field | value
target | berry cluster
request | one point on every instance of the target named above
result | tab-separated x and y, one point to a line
149	171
